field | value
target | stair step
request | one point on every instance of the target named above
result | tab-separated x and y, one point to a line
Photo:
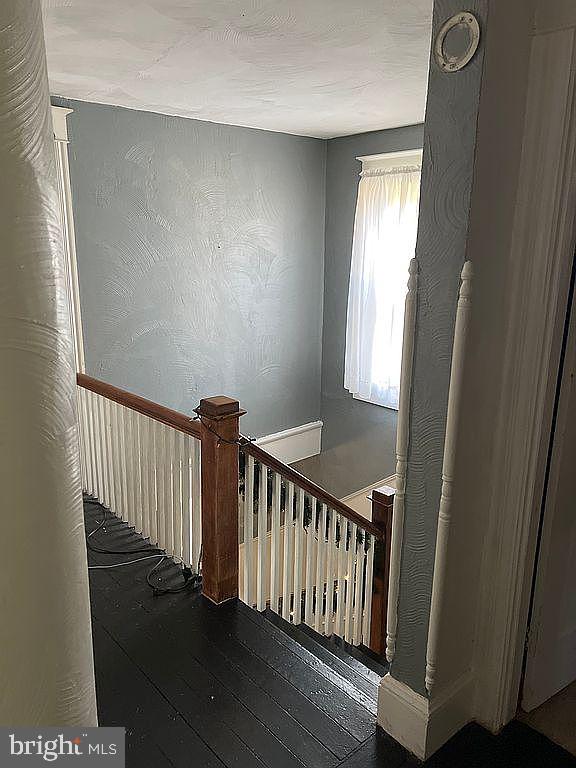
361	690
360	658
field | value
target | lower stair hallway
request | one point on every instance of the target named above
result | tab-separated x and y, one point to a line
201	686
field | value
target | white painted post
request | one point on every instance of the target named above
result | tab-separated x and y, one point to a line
288	575
298	557
402	442
51	684
444	514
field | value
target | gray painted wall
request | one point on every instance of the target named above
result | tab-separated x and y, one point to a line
359	439
447	175
200	254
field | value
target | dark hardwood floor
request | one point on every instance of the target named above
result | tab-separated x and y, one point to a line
197	685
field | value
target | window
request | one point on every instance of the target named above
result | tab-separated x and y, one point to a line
384	242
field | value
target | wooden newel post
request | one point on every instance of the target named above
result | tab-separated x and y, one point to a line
382	504
219	418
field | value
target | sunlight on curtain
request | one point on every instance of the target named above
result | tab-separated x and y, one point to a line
384	242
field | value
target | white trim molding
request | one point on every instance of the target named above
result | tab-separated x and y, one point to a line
541	256
402	442
294	444
445	511
420	724
59	117
59	124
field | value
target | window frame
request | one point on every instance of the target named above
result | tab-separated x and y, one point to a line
384	161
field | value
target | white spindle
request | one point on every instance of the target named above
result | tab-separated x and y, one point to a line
159	471
341	580
288	573
275	543
331	555
367	618
402	443
116	458
298	557
248	528
176	497
109	465
167	464
348	630
262	548
358	589
320	565
445	511
144	433
186	448
90	430
196	504
137	484
310	552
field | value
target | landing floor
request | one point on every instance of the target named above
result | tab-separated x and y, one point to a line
198	686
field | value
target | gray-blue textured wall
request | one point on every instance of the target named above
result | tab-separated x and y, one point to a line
447	176
200	253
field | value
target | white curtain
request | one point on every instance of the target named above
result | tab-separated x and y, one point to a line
384	242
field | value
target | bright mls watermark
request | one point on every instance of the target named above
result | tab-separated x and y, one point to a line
62	746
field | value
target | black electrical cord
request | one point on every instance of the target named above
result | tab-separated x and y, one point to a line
191	581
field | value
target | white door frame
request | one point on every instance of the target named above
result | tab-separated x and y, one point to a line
542	253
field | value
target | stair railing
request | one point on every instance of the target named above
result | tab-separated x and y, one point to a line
143	461
307	556
212	498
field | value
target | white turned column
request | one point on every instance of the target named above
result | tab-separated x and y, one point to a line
402	439
445	512
46	668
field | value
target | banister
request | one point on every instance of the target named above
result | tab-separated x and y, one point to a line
160	413
259	454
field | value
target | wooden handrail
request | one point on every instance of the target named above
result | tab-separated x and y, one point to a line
187	425
287	472
167	416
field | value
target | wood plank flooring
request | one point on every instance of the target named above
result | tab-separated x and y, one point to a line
200	686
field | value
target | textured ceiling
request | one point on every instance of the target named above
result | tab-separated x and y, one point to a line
314	67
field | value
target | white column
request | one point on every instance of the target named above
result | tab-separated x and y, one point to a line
46	668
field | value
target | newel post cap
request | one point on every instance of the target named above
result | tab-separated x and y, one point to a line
219	407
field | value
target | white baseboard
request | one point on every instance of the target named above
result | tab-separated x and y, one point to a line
420	724
294	444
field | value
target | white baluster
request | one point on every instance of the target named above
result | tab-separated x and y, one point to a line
168	536
288	573
91	453
176	497
159	473
262	529
445	511
348	631
275	544
402	444
367	618
358	589
248	528
110	467
186	453
144	433
196	502
320	565
136	485
152	486
99	461
341	581
332	554
121	461
310	553
298	557
116	458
